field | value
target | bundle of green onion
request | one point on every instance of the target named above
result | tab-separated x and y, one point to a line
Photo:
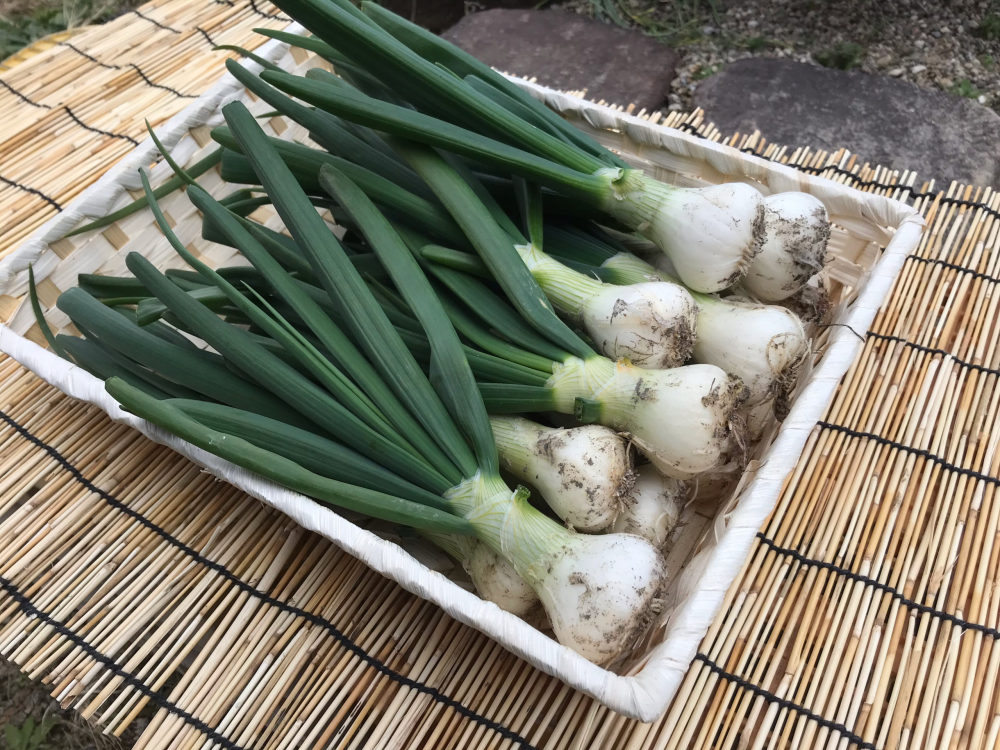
479	271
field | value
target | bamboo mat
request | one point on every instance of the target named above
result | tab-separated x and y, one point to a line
135	585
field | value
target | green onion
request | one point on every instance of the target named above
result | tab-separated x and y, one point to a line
174	362
324	129
369	325
357	424
280	469
449	368
435	49
311	451
165	189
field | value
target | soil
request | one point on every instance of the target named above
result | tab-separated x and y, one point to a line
23	701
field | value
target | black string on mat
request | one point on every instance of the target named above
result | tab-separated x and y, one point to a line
954	267
885	588
85	126
159	85
23	97
919	452
314	619
263	14
90	57
51	201
208	37
788	705
157	23
27	606
928	350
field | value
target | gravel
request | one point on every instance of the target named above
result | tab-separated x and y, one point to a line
932	44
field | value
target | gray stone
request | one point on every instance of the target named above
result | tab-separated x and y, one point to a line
569	52
883	120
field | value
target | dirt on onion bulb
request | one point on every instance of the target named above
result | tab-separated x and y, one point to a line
600	592
651	324
710	234
654	507
797	231
584	473
679	418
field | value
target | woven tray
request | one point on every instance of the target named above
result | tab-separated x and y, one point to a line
709	560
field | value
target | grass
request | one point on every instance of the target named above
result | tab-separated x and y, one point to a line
705	71
760	43
671	21
843	56
988	28
24	21
30	719
28	736
965	88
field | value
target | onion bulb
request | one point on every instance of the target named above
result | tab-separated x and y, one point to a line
679	418
600	592
493	576
497	581
710	234
797	230
651	324
761	344
654	507
582	472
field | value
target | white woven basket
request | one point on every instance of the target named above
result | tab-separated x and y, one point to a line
714	554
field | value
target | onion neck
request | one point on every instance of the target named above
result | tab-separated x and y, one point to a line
519	532
476	491
636	200
516	438
628	269
575	378
568	290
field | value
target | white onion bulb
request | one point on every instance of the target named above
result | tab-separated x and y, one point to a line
797	231
654	508
599	592
678	418
651	324
710	234
582	472
493	576
497	581
763	345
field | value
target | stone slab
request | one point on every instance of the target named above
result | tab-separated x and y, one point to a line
883	120
568	51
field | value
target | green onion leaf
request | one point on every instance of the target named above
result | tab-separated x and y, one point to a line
450	371
280	469
346	287
314	452
175	182
199	373
437	50
494	247
431	131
